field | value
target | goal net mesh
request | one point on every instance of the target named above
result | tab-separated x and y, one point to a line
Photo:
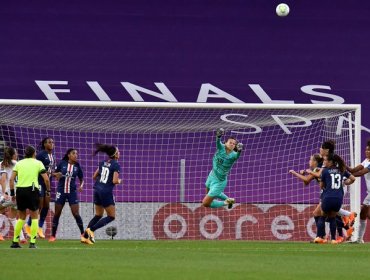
166	156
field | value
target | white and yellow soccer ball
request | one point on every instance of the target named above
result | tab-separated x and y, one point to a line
282	10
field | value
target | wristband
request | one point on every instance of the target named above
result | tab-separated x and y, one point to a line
12	193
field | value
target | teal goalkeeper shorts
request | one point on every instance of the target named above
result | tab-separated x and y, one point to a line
215	186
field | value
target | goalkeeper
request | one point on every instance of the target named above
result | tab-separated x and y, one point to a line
223	160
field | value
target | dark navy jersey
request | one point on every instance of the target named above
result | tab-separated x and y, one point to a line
49	162
333	182
70	172
105	174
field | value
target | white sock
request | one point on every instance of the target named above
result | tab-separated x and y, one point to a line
362	229
343	212
14	221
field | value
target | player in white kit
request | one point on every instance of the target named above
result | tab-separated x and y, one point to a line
363	169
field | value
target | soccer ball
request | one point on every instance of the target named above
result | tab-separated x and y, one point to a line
282	10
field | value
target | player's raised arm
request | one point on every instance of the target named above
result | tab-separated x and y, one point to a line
219	133
355	169
239	147
314	172
306	179
363	171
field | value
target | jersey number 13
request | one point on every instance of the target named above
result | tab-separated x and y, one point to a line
336	181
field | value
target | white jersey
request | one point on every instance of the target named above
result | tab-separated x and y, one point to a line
366	164
8	171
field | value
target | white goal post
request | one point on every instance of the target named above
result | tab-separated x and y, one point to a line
166	155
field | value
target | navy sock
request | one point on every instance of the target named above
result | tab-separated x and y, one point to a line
94	220
340	225
43	214
333	227
102	223
29	221
79	223
54	226
321	227
316	220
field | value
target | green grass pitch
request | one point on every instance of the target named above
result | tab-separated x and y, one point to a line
185	260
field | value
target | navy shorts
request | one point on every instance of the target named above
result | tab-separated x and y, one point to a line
331	204
42	190
62	197
103	198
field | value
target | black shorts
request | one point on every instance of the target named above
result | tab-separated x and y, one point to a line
27	198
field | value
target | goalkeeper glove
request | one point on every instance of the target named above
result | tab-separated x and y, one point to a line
239	147
220	132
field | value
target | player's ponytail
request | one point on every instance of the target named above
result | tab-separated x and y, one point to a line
337	161
9	152
110	150
368	143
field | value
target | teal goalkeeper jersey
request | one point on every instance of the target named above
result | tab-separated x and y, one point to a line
222	162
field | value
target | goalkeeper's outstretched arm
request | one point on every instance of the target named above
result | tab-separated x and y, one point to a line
239	147
219	133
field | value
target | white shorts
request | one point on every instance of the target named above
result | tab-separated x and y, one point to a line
366	200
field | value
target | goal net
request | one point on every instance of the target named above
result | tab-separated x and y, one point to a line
166	156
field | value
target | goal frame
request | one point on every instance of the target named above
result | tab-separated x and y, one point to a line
355	191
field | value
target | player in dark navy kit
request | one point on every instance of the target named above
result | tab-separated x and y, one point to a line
345	219
106	177
333	176
47	157
314	172
67	172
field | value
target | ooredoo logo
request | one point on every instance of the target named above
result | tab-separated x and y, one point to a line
245	221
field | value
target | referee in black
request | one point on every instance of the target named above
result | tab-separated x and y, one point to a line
27	172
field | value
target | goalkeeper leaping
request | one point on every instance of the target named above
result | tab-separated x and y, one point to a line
223	160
